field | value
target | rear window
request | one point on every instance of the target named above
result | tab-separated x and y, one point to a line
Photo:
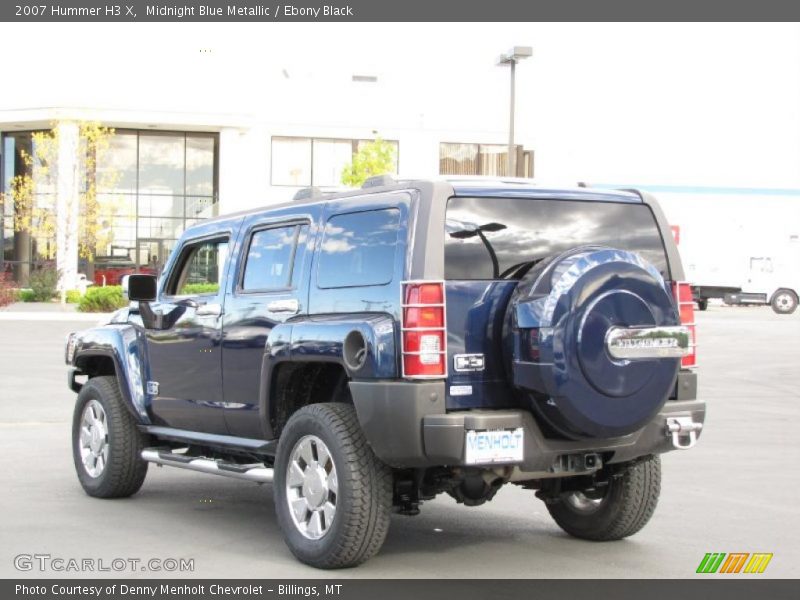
493	238
358	249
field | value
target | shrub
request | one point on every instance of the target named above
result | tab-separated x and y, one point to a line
73	296
199	288
8	293
26	295
43	282
102	299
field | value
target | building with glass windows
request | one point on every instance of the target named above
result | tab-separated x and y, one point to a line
171	170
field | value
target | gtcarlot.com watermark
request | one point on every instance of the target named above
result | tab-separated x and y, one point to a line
47	563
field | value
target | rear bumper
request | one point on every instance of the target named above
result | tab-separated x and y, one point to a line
407	425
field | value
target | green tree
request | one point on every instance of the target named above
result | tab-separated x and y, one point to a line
40	220
373	158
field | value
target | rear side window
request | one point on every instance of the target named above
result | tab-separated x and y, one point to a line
500	238
271	257
358	249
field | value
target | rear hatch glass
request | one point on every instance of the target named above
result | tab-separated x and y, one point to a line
496	238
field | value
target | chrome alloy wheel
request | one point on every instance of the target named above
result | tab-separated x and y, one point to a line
312	487
93	441
583	502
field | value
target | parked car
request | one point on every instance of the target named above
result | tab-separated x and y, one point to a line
109	270
367	351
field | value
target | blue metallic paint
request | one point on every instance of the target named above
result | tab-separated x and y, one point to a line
566	309
125	346
475	314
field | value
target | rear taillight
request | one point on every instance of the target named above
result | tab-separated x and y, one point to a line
424	336
683	298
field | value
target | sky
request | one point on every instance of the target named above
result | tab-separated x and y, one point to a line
670	104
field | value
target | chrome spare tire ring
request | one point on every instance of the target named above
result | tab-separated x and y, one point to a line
311	487
93	439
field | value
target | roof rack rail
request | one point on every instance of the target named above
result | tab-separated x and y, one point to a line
308	193
378	181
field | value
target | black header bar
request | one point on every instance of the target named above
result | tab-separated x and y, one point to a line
399	10
330	588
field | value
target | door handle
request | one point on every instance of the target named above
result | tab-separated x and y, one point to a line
284	306
211	309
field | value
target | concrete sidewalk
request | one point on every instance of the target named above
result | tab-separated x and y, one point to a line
46	311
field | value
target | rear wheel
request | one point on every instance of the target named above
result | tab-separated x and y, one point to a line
333	496
784	302
613	511
106	443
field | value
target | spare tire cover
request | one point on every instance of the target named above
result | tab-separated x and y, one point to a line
558	319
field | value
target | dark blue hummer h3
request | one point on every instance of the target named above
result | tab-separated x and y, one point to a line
368	350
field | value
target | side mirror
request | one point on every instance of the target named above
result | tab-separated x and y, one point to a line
140	287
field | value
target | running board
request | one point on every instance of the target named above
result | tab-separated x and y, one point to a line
252	472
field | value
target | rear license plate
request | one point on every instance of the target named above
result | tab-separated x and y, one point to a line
497	446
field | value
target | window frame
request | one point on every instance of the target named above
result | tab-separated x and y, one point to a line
182	256
357	212
354	145
239	289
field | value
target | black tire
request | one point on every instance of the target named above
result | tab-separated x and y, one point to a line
363	500
784	302
702	304
626	506
124	470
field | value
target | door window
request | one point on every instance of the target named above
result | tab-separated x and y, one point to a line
201	268
271	256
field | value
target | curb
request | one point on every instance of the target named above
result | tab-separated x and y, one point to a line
53	316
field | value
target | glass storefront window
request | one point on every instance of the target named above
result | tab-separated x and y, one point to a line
24	249
201	207
330	157
161	164
482	159
302	162
200	152
8	239
153	227
151	186
458	159
291	161
116	168
360	143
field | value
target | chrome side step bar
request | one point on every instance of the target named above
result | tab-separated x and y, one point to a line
257	472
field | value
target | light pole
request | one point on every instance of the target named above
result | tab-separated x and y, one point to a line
511	58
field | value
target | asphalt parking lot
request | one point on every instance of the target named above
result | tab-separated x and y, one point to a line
737	491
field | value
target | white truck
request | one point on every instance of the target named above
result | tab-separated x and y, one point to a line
773	280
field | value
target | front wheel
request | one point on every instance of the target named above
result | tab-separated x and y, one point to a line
106	443
333	496
784	302
613	511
